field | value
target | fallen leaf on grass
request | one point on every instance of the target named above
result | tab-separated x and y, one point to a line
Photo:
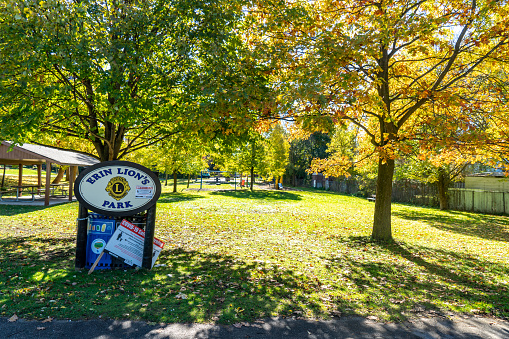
336	313
13	318
394	301
181	296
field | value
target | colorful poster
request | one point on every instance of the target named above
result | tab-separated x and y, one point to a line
127	243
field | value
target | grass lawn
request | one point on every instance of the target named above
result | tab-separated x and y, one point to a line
15	172
12	179
234	256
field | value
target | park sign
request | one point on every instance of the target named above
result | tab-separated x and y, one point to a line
117	188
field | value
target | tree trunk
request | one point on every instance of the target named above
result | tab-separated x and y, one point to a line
188	179
166	182
382	218
113	133
252	177
60	175
174	181
443	190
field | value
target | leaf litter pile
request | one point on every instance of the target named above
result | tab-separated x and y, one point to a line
238	256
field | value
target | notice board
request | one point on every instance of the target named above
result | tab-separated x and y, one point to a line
127	243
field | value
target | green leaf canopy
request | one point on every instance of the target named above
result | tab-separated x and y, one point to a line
109	71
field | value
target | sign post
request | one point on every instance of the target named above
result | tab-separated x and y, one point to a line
149	237
119	189
81	237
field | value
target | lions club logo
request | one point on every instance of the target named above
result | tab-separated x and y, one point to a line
118	188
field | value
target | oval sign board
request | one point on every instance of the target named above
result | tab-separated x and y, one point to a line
117	188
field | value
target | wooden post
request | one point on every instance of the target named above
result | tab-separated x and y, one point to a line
81	238
3	178
48	182
148	245
72	170
503	200
20	178
95	263
39	175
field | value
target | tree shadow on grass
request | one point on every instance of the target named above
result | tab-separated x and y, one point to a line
225	289
415	279
37	280
259	195
189	286
489	227
9	210
177	197
29	250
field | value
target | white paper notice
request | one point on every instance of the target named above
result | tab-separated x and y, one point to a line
127	243
144	192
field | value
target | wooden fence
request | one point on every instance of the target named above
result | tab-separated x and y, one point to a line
414	192
423	194
474	200
405	191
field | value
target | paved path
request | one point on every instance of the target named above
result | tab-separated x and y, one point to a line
344	327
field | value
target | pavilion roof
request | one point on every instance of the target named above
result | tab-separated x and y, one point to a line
29	154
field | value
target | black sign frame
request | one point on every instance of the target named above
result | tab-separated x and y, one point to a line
139	167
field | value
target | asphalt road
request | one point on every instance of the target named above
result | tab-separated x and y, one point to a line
450	327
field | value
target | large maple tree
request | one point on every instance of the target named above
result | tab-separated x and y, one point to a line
106	72
385	68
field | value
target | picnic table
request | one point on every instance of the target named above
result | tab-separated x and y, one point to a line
58	190
30	189
5	191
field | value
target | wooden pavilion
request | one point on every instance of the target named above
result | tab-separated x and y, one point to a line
29	154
